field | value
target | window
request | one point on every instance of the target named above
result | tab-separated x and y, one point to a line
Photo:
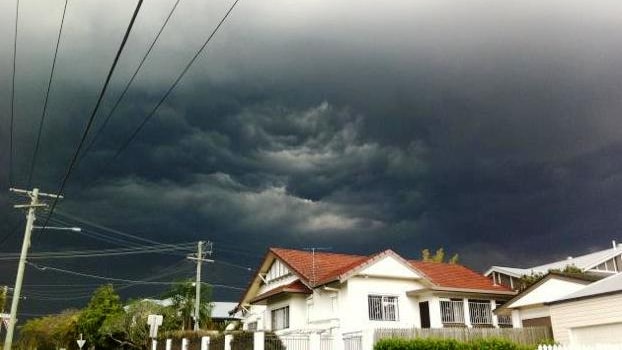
382	308
252	326
280	318
452	311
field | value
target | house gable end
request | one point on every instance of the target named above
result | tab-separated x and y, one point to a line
390	267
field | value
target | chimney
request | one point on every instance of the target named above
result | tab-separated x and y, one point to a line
615	246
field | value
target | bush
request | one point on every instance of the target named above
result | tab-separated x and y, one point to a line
448	344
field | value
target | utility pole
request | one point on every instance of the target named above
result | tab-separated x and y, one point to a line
30	220
200	258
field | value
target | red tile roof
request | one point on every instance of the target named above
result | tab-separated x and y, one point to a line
330	266
294	287
455	276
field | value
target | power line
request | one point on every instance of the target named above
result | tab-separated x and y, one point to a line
71	254
95	109
45	101
127	86
12	123
177	80
75	273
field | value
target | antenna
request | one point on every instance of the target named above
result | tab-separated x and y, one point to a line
313	249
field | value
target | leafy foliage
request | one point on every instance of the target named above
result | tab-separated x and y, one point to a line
105	304
448	344
50	332
439	256
183	296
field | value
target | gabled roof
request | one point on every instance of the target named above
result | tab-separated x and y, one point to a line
606	286
456	276
294	287
577	278
320	267
583	262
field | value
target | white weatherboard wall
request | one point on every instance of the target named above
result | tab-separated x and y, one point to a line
548	291
574	322
297	312
389	267
354	303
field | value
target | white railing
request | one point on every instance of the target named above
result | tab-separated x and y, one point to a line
452	311
353	341
480	312
581	347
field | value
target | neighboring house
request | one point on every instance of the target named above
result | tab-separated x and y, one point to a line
301	291
529	308
220	309
592	315
604	262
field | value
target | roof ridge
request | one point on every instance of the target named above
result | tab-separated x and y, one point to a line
320	252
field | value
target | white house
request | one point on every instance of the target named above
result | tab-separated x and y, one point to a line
592	315
529	308
603	262
301	291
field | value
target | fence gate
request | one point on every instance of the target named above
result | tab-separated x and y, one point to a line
353	341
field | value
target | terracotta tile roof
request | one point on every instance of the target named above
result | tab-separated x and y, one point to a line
328	266
294	287
455	276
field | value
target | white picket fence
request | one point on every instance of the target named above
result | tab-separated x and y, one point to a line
581	347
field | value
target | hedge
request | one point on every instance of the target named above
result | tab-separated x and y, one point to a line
448	344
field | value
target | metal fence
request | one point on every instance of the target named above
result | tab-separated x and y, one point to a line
326	342
581	347
288	342
353	341
525	336
242	341
217	343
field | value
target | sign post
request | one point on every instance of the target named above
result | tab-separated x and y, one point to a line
154	321
81	341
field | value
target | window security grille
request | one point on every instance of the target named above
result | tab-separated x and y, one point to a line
382	308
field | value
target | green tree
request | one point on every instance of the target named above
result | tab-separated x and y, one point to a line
104	304
130	328
183	295
50	332
438	257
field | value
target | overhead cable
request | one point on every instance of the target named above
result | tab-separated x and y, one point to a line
33	162
75	273
136	131
127	86
94	112
12	109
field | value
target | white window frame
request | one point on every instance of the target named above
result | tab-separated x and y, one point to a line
383	307
275	322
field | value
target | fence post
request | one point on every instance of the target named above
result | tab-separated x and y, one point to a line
259	341
169	344
467	313
154	344
184	344
315	341
205	343
367	339
228	338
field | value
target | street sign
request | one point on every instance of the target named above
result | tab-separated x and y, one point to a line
81	341
154	321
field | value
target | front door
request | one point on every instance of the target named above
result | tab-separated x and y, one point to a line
424	314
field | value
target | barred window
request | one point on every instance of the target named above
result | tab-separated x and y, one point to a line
280	318
382	308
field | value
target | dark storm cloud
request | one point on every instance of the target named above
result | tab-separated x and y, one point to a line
359	125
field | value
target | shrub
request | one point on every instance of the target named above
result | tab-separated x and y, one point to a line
447	344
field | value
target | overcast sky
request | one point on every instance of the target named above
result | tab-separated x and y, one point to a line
489	128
